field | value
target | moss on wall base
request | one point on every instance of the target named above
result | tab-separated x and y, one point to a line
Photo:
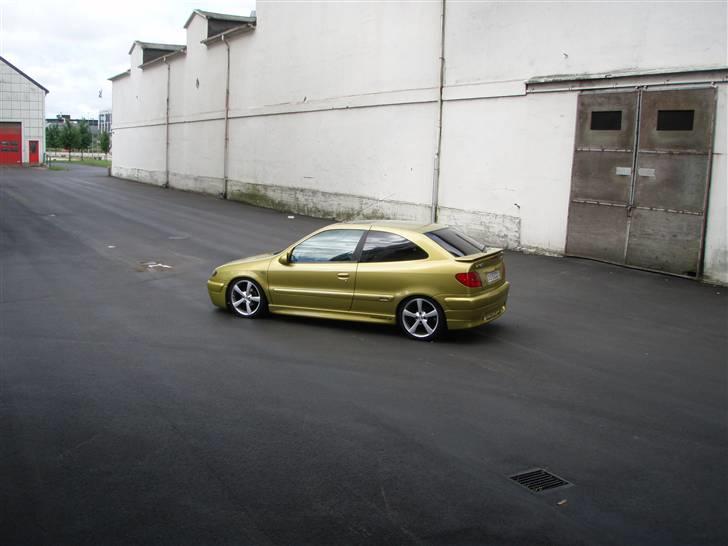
324	204
492	229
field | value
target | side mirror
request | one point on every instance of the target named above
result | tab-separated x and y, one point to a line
285	259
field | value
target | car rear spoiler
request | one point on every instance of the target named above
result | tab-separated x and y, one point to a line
488	253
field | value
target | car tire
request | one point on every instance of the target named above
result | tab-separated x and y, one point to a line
421	318
246	299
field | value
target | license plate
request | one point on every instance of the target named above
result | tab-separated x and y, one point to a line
493	276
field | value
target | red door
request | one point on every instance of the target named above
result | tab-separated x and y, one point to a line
33	152
10	148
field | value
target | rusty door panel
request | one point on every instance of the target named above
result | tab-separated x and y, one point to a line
602	176
597	231
671	181
671	186
601	179
622	139
642	204
665	241
699	139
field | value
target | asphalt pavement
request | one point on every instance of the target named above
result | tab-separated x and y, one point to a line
134	412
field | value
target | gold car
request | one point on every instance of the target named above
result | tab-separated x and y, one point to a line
425	278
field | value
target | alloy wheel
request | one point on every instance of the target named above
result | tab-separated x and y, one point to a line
420	318
245	298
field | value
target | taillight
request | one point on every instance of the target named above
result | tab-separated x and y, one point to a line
470	279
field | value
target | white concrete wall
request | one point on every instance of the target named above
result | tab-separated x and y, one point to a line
138	122
333	109
139	98
506	41
309	52
205	65
139	154
196	156
506	169
197	109
23	101
356	162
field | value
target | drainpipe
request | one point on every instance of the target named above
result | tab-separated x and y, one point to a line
438	149
227	122
166	129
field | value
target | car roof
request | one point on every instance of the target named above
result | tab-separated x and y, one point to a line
406	225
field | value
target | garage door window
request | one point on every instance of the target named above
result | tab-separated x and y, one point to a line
610	120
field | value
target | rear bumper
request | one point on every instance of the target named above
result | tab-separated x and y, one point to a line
469	312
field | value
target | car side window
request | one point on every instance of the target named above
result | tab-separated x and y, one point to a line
335	245
381	246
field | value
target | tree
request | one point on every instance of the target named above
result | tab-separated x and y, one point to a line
85	138
105	143
53	136
70	138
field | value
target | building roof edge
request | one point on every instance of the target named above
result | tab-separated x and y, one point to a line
624	73
242	29
251	19
153	45
120	75
161	58
31	80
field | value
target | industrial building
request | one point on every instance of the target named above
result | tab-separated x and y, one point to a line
22	117
587	129
104	121
61	119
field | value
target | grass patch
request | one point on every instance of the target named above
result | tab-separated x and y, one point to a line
94	162
54	167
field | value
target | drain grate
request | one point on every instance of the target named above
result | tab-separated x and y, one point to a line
539	480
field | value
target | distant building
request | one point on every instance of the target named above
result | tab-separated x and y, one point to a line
104	123
22	109
60	119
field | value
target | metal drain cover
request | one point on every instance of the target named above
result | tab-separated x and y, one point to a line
538	480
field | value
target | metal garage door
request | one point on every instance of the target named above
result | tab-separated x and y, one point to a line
10	144
640	178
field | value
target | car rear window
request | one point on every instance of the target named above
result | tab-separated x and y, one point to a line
381	246
456	243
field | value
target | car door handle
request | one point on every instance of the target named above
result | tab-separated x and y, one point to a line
343	276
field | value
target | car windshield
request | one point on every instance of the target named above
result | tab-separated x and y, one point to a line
456	243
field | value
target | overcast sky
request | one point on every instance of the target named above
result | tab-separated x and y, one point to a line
73	47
